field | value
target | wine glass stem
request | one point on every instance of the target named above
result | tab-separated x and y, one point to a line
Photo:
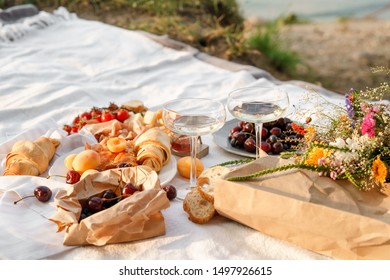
194	142
258	132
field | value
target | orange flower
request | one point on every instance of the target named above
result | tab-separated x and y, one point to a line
380	170
297	128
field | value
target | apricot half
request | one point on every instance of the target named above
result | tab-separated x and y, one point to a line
116	144
184	167
69	161
85	160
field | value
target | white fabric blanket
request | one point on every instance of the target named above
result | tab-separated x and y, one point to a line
52	71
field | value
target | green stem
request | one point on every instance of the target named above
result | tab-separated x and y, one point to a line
277	169
235	162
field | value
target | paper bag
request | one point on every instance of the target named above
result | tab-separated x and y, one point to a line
317	213
133	218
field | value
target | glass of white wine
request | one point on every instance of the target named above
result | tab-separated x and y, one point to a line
258	105
193	117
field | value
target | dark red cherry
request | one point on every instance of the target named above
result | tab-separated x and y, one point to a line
42	193
72	177
129	189
171	191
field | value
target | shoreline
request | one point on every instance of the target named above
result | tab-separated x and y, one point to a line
341	53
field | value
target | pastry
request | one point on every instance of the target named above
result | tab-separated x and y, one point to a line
30	158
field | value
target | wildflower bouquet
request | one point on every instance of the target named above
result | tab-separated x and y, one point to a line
353	144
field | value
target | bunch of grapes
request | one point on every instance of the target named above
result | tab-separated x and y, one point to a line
276	136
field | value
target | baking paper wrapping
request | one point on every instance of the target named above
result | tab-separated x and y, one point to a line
136	217
329	217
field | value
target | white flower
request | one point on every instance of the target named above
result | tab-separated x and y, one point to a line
339	143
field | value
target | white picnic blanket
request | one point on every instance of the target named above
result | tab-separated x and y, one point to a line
55	66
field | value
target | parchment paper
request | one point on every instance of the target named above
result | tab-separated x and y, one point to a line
317	213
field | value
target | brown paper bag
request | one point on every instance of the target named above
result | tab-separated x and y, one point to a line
133	218
317	213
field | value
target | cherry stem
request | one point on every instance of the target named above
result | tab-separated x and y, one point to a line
48	177
23	198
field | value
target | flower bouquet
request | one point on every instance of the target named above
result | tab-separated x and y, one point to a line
352	144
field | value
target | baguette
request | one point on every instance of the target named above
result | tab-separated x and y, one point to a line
205	182
199	210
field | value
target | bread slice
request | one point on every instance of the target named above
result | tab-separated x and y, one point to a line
200	211
205	182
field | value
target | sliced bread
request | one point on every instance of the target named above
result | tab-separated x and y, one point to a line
205	182
199	210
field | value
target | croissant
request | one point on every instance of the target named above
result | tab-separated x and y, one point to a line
153	148
30	158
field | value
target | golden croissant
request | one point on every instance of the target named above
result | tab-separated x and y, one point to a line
153	148
30	158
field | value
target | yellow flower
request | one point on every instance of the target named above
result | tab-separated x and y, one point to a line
380	170
315	154
310	133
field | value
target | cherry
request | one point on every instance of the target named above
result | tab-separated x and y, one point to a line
109	198
95	204
277	148
42	193
266	147
248	128
171	191
129	189
72	177
123	165
250	145
276	131
264	133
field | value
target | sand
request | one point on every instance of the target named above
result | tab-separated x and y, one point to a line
341	53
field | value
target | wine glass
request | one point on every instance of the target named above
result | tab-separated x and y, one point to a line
193	117
258	105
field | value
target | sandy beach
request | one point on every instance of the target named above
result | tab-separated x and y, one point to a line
342	53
